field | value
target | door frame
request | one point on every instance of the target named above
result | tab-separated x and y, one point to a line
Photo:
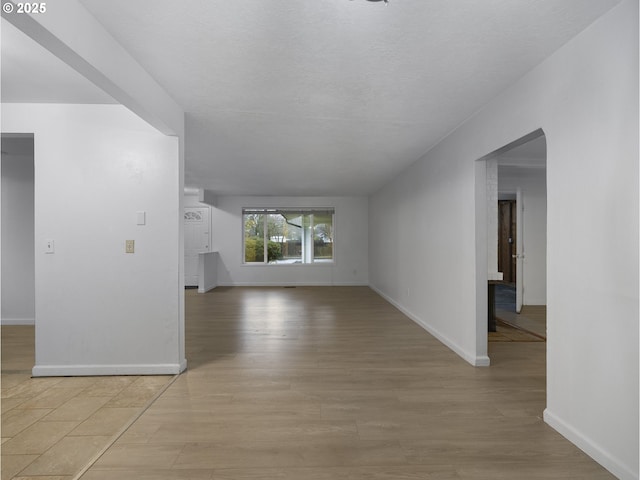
206	214
482	274
519	250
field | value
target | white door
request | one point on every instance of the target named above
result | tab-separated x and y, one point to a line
196	240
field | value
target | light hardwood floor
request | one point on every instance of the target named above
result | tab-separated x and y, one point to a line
532	318
334	383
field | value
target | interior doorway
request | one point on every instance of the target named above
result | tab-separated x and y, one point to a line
518	228
196	241
18	229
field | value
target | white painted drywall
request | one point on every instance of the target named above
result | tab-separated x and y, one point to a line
18	269
350	265
492	220
77	38
423	237
533	185
98	309
192	199
207	271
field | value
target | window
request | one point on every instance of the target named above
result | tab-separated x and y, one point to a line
282	236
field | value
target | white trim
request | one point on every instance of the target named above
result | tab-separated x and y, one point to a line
595	451
481	263
94	370
475	360
183	365
18	321
293	284
207	288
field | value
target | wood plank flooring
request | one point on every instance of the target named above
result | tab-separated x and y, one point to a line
334	383
507	332
532	318
321	383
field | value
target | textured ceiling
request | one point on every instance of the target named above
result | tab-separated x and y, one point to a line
331	97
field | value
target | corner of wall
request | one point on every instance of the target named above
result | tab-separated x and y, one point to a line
590	447
473	359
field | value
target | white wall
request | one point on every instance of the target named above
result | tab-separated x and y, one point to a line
207	271
193	200
492	220
98	309
533	185
351	243
585	98
18	269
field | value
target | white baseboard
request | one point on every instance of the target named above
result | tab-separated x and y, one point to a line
95	370
207	288
294	284
475	360
18	321
595	451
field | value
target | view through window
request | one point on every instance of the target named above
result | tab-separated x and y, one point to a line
282	236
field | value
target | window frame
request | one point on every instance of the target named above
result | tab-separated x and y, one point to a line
266	211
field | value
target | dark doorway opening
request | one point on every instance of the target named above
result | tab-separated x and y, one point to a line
507	240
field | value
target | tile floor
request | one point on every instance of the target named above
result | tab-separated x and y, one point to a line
51	427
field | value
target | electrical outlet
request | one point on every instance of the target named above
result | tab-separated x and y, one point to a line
130	246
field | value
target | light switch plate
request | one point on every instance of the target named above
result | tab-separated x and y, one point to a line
130	246
141	218
49	246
